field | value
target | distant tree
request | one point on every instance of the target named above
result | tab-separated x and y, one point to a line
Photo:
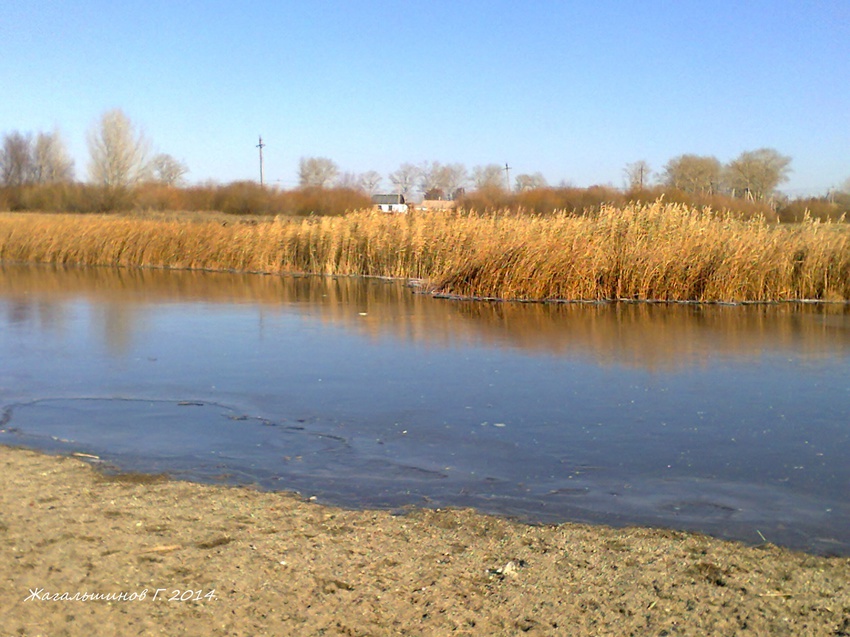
370	181
317	172
841	195
119	155
638	175
50	161
489	177
348	180
16	167
757	173
694	173
441	181
430	180
530	182
454	179
404	179
167	170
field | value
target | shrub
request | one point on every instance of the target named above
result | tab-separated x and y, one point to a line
815	208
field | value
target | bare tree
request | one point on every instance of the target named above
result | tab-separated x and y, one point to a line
348	180
638	174
370	181
167	170
317	172
694	173
454	178
757	173
119	154
405	178
441	181
488	177
16	167
431	180
530	182
50	161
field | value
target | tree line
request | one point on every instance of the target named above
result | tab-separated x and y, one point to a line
754	174
124	172
120	156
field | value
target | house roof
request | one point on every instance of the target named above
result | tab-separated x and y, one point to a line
387	199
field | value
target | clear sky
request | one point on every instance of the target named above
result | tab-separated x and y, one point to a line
575	90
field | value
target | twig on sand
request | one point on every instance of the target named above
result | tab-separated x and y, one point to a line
162	549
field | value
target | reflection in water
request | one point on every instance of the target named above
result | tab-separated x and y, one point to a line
726	419
644	335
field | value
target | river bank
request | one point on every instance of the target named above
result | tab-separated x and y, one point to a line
145	555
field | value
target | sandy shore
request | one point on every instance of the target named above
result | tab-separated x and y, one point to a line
180	558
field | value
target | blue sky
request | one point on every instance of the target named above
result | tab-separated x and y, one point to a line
575	90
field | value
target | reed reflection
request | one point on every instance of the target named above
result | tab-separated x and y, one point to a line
640	335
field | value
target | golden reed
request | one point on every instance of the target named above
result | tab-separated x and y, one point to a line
645	251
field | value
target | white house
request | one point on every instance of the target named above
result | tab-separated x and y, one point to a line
389	203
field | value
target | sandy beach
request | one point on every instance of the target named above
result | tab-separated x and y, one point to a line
85	553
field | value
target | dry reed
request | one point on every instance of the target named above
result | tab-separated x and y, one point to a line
654	251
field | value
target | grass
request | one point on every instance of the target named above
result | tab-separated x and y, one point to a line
657	251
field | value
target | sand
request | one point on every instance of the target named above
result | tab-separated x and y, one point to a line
84	553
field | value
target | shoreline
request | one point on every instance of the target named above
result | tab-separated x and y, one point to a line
423	287
277	564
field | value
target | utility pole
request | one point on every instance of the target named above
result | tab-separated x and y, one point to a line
261	145
508	176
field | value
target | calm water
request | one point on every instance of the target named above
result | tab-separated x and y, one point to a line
733	420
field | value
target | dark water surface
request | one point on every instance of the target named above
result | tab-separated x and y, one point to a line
732	420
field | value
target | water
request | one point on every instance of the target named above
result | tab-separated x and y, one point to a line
731	420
